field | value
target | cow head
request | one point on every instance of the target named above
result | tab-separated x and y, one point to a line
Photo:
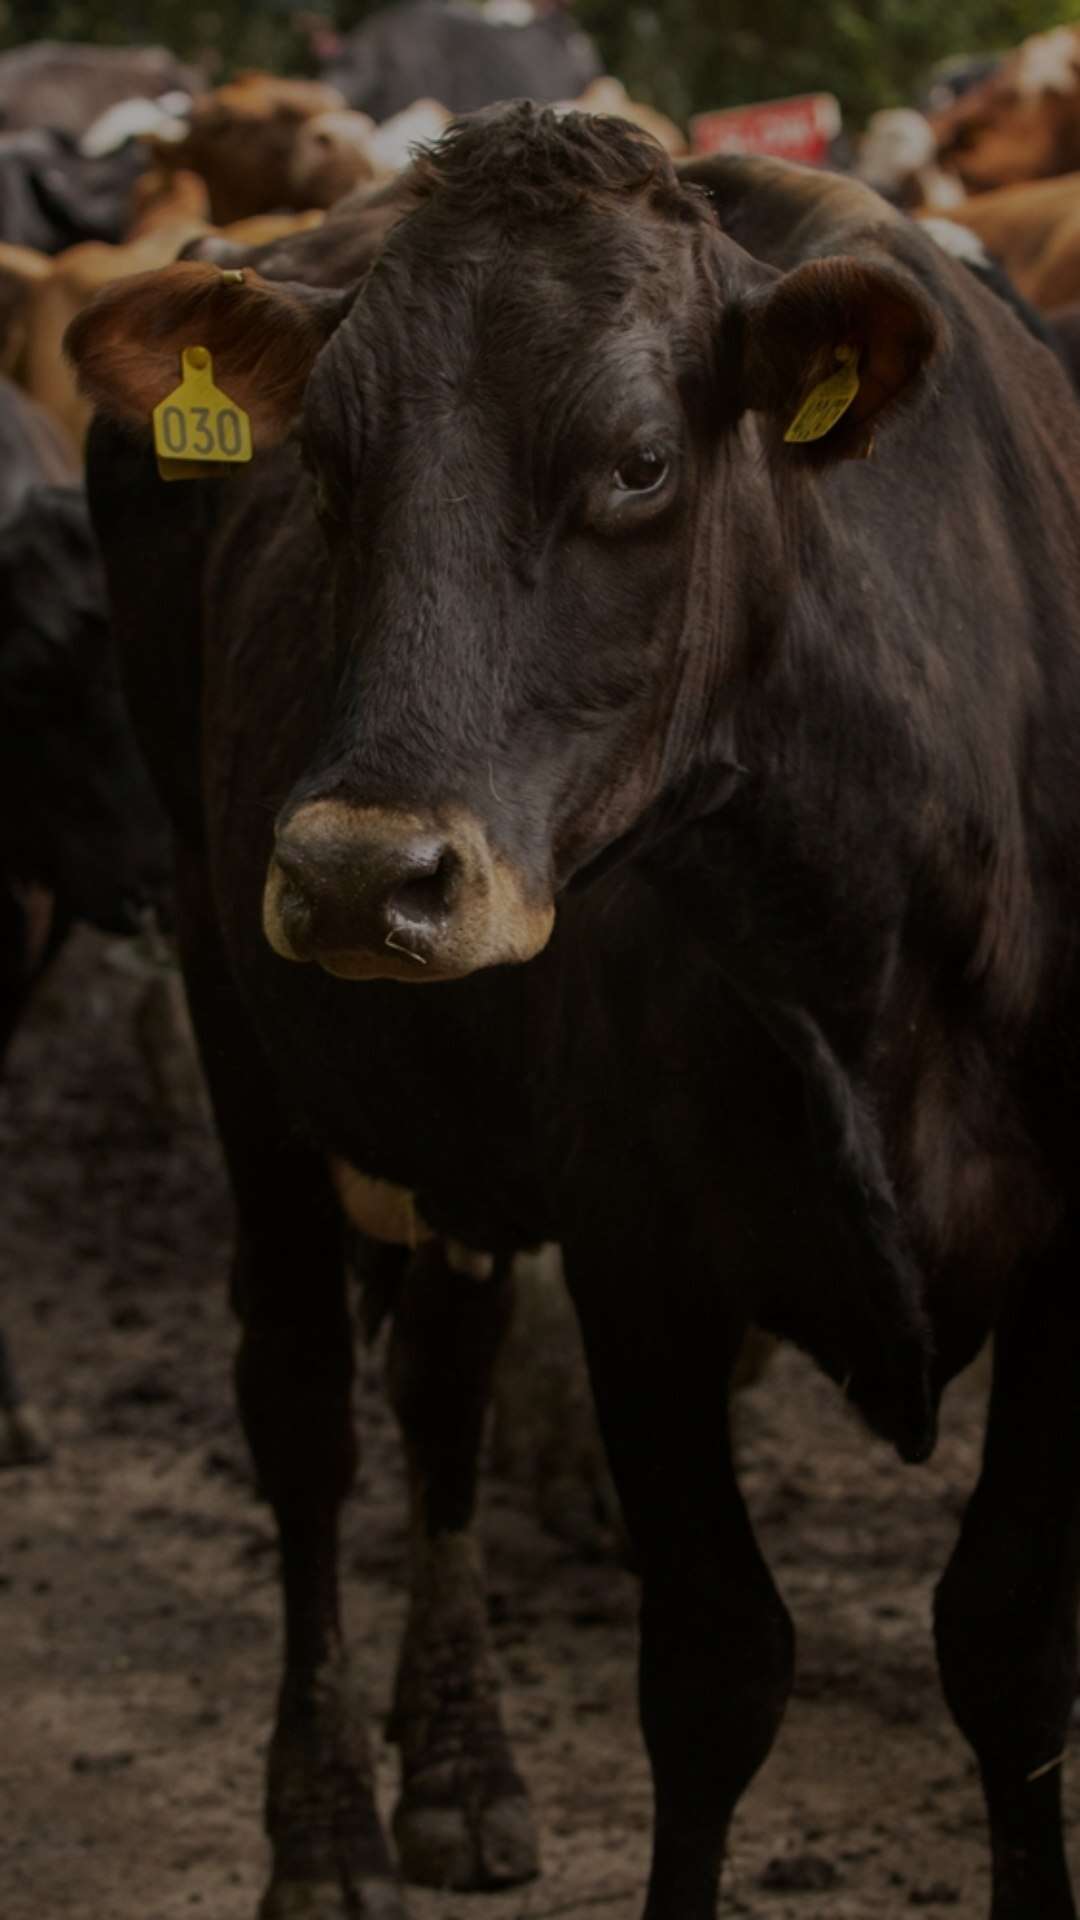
248	142
543	440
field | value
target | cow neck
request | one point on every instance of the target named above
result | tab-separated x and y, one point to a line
866	783
871	873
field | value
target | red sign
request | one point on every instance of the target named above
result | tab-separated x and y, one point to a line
800	129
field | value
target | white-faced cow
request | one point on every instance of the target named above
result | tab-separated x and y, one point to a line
562	657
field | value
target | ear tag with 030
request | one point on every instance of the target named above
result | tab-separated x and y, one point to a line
197	429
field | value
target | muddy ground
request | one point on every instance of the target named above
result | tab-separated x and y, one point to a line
138	1621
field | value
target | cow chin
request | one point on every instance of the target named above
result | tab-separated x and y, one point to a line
378	894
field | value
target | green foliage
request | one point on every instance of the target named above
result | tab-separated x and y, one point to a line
220	34
684	55
687	55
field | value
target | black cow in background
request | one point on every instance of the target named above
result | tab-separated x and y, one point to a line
67	85
81	837
53	196
949	80
463	56
52	193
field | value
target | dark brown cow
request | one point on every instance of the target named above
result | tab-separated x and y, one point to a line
537	640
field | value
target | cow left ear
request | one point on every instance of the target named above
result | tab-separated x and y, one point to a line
264	337
832	348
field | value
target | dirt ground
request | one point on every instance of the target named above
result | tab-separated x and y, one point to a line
138	1620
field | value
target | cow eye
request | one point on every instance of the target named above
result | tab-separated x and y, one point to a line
641	472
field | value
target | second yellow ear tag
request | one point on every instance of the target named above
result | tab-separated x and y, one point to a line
197	428
829	400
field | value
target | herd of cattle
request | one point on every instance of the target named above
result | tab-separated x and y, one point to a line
651	617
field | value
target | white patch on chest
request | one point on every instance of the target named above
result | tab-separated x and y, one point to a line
388	1213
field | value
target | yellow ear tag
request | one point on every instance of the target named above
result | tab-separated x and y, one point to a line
198	430
829	400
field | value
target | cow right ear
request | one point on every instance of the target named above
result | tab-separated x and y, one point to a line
263	335
831	349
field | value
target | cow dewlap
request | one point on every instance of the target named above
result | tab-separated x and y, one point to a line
388	1213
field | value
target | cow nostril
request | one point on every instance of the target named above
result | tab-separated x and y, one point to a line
428	893
293	864
348	891
294	904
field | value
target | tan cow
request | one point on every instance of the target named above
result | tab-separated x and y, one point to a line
1034	231
252	142
1023	123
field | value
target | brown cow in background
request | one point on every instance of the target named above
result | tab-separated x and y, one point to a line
1023	123
243	139
1033	232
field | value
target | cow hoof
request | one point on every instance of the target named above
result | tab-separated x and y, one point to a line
23	1442
465	1852
375	1899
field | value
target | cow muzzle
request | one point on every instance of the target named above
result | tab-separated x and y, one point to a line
370	893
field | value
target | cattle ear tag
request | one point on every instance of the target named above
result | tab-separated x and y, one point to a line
829	400
198	430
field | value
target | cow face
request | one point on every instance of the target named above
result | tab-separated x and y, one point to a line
545	511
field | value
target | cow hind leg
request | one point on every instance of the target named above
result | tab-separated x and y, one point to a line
294	1374
463	1820
1006	1608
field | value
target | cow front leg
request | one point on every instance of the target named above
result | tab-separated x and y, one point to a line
717	1646
1006	1608
294	1374
463	1819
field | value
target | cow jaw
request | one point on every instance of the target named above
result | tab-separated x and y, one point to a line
372	893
